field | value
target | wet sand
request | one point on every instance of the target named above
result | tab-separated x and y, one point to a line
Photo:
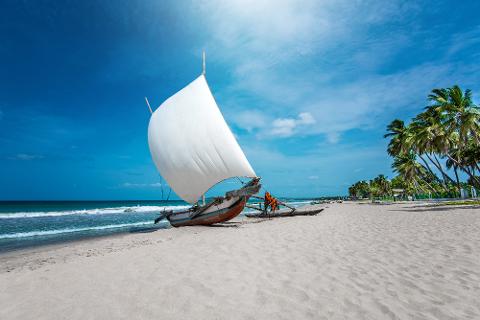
352	261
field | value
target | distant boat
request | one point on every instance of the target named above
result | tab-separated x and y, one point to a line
194	149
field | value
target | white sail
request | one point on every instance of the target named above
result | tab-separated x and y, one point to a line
192	145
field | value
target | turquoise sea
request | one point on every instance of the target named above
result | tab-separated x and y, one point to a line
33	223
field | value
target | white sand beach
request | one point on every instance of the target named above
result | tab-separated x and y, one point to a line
352	261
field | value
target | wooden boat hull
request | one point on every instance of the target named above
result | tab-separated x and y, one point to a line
209	218
220	209
286	213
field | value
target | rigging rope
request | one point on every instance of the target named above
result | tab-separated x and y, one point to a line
163	198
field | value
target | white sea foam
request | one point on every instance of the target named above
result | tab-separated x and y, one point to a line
117	210
37	233
297	203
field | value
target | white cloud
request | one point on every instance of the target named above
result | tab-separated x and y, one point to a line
265	125
464	40
324	58
156	185
362	103
283	127
250	120
305	118
286	127
347	64
333	137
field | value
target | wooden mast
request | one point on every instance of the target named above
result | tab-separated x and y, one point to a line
203	72
148	104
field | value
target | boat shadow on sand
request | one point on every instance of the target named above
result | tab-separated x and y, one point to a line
217	225
227	224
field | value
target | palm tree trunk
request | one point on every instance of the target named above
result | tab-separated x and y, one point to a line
473	171
464	169
468	171
427	166
476	165
456	176
416	185
420	186
429	186
424	179
442	170
443	182
440	167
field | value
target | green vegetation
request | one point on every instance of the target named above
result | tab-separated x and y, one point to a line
445	137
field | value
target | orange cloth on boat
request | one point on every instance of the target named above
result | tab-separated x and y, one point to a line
270	201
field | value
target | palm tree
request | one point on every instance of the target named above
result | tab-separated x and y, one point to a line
397	132
428	137
461	115
380	186
398	182
450	164
448	129
411	171
360	189
363	189
471	156
468	159
459	119
352	192
404	139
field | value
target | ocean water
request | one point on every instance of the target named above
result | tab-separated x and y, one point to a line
32	223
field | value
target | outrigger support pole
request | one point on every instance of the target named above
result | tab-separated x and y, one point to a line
163	215
259	208
280	202
286	205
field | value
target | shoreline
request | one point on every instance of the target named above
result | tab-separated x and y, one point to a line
428	205
105	241
73	237
24	225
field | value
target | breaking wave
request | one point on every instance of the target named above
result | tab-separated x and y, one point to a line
298	203
117	210
71	230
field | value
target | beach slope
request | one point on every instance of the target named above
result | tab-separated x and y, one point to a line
352	261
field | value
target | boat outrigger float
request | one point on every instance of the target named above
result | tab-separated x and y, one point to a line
270	208
194	149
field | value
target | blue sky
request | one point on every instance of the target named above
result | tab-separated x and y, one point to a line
307	87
